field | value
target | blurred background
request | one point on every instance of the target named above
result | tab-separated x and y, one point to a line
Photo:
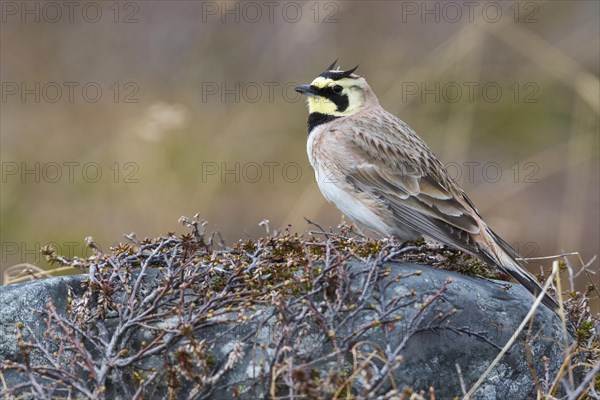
123	116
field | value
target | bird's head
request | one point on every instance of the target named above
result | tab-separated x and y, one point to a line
337	93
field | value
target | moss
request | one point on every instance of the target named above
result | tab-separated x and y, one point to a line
472	266
211	361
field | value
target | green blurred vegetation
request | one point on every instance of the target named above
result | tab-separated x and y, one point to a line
176	129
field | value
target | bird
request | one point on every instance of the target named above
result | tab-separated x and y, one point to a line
382	175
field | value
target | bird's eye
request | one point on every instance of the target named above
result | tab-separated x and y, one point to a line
337	89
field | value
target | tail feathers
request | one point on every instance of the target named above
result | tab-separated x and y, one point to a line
504	256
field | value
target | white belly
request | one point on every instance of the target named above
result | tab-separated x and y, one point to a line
336	190
348	203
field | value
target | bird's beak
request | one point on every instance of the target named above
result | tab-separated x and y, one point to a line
306	90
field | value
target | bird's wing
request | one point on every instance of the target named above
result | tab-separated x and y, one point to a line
444	220
412	183
415	196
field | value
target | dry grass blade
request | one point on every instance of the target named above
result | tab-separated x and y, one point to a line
515	335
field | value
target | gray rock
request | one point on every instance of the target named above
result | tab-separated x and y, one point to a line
20	302
466	325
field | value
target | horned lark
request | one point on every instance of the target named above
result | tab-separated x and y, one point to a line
379	173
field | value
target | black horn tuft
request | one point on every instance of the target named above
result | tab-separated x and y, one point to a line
346	74
337	75
332	66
